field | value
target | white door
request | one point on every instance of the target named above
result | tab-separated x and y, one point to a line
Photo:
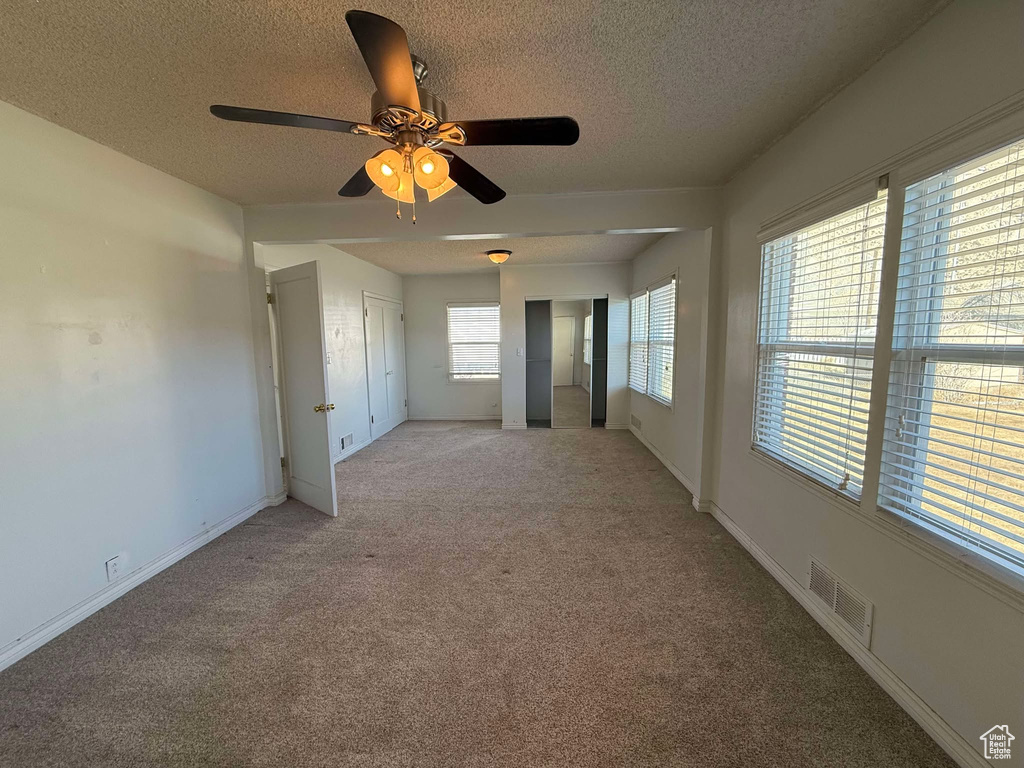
298	305
563	350
385	364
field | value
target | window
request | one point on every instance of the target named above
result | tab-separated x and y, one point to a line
953	446
652	340
588	337
819	306
638	342
474	341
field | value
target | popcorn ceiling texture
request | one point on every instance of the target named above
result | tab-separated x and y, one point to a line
668	93
425	257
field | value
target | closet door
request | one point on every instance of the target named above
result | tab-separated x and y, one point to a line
394	358
385	364
376	370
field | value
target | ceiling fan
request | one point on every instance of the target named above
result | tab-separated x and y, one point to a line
415	122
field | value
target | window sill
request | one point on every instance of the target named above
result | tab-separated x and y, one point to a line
474	381
667	406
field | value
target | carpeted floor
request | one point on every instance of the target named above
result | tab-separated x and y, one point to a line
570	407
486	598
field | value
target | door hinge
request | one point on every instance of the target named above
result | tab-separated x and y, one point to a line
406	403
284	462
371	418
366	312
403	317
270	298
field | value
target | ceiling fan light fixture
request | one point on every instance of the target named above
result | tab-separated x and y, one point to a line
499	256
384	170
429	168
436	192
403	192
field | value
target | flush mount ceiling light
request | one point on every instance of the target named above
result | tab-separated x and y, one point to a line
415	122
499	256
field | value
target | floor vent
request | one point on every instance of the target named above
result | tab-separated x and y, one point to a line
850	607
635	421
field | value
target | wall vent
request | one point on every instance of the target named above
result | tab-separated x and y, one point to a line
844	603
635	420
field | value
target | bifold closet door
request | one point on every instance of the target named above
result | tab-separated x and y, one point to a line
538	363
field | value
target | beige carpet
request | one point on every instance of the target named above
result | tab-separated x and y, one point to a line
487	598
570	407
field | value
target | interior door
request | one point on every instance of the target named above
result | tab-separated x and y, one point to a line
376	370
298	305
394	357
563	350
385	364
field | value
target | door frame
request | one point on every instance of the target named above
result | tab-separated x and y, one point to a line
571	297
366	357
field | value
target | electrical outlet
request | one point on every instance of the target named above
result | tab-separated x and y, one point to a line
114	568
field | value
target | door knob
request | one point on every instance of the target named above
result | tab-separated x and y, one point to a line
388	373
330	406
320	408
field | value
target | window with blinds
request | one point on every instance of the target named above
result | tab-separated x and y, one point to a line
661	341
652	340
638	342
816	335
474	341
953	451
588	338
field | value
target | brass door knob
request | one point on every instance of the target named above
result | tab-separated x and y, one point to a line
320	408
330	406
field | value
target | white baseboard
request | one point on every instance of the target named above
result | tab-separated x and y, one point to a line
476	417
349	451
616	426
513	426
48	630
955	745
701	505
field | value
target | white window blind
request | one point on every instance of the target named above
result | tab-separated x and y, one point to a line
953	451
661	339
474	341
638	342
588	337
819	306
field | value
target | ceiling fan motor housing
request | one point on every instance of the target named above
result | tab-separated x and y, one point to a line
389	117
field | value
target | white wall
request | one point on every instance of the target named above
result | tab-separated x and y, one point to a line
954	640
344	279
578	310
563	281
127	389
677	433
431	395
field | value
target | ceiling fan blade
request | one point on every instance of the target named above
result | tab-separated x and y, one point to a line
385	50
533	131
471	180
246	115
358	185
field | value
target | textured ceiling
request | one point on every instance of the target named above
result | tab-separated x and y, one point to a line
431	257
668	93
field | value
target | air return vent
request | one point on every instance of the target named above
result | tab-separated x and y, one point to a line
635	421
850	608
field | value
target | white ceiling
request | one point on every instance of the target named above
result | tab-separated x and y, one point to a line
430	257
668	93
